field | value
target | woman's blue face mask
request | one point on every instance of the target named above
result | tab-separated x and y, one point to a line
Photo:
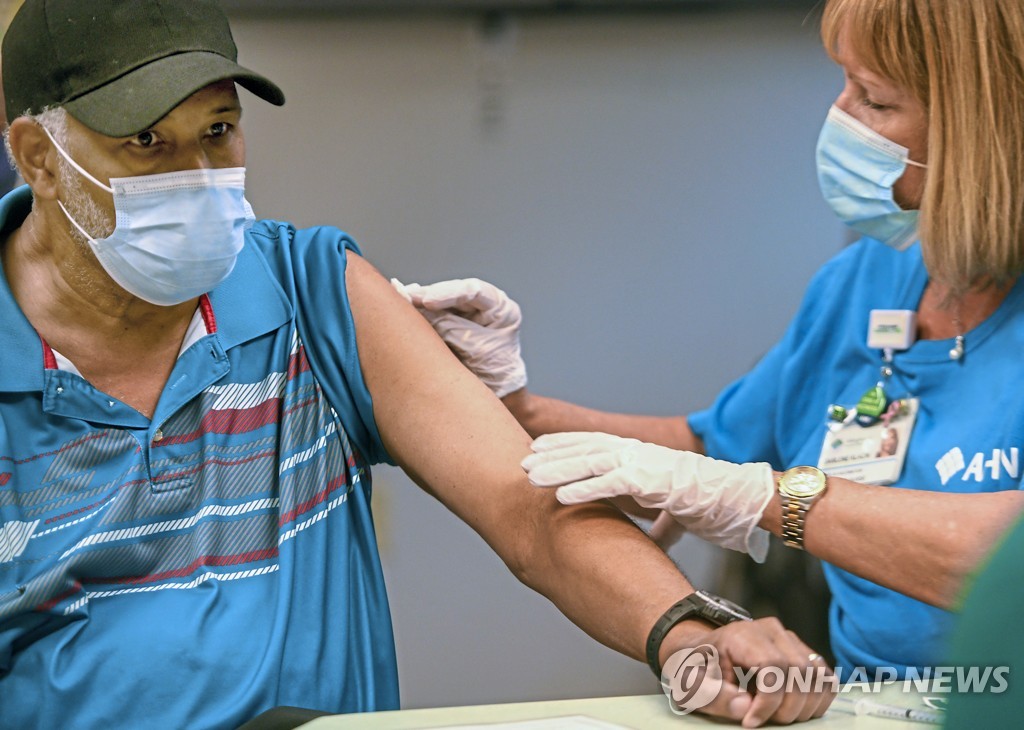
857	168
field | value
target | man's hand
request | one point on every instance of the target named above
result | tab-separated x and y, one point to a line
480	323
753	656
715	500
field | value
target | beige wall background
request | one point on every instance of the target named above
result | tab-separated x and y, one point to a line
643	184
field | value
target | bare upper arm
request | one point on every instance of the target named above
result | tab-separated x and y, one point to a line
439	423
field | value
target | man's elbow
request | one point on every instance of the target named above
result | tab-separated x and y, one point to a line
545	539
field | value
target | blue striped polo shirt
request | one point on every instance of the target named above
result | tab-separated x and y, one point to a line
199	567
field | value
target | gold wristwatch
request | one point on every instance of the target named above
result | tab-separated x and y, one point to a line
799	488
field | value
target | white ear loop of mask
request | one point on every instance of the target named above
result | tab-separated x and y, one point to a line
81	170
84	173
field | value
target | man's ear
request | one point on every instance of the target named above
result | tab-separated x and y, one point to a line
35	156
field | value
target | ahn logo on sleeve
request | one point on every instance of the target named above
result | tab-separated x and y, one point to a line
994	465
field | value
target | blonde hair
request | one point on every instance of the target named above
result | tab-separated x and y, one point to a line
964	61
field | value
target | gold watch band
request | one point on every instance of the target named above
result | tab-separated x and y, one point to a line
799	488
794	513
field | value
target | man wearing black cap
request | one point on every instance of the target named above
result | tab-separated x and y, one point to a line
186	422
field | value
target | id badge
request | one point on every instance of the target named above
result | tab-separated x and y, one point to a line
872	454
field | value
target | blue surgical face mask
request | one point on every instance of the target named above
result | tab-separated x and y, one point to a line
857	168
176	235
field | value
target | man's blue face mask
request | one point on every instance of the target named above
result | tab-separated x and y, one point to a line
177	234
857	168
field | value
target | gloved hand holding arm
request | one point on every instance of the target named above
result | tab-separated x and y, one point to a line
480	323
716	500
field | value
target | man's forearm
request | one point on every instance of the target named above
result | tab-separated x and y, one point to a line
602	572
539	415
614	583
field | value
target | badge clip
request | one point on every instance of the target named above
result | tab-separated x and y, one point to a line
892	329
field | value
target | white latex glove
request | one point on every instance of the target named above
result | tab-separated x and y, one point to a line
665	531
480	323
716	500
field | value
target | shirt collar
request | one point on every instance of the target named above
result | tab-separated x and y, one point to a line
249	303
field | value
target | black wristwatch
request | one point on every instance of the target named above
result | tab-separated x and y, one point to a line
700	604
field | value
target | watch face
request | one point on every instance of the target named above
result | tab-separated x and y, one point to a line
720	610
803	481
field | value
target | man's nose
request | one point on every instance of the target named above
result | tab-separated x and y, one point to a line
194	157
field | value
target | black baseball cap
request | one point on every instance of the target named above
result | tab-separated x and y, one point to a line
119	66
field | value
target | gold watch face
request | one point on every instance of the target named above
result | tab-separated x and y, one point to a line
802	481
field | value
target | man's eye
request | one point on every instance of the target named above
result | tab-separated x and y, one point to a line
145	139
219	129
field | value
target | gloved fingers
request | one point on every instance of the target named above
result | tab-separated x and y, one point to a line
492	354
441	321
718	501
437	321
605	486
475	299
467	295
484	303
544	471
511	380
413	293
571	451
484	351
574	455
455	323
451	294
579	440
505	314
454	328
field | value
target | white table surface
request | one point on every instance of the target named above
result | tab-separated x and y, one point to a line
642	712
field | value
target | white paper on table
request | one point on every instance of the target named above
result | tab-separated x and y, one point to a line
573	722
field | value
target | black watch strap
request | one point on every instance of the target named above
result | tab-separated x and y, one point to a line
679	611
699	604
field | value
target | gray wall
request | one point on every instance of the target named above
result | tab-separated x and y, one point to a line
644	186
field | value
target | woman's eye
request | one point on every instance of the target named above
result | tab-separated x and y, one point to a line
874	105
